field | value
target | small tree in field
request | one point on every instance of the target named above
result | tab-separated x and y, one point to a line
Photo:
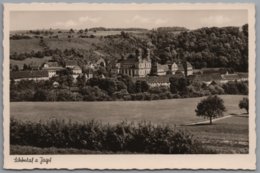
243	104
211	107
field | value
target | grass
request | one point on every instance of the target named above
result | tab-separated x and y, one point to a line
25	45
175	111
228	135
63	42
75	43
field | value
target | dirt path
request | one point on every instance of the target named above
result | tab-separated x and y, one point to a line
207	121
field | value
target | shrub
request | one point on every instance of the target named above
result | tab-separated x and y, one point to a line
143	137
236	88
40	95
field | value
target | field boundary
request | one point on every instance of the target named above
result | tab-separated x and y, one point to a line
207	121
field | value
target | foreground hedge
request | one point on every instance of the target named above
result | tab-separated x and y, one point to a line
123	137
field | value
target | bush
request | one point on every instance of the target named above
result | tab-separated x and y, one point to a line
243	104
236	88
92	135
66	95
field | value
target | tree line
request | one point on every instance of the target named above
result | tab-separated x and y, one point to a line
122	87
205	47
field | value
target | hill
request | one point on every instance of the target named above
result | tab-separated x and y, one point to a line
205	47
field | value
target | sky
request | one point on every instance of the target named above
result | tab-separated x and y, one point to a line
191	19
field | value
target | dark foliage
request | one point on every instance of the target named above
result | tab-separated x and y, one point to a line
236	87
211	107
243	104
123	137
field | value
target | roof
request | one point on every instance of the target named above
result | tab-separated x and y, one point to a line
28	74
52	64
209	77
214	70
76	67
189	65
53	68
230	76
243	75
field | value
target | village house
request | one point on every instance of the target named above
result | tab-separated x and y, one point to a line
52	68
99	61
89	73
174	68
135	65
159	69
234	77
70	64
36	75
73	65
215	70
222	78
75	68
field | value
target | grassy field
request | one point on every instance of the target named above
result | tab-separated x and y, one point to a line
228	135
175	111
25	45
63	42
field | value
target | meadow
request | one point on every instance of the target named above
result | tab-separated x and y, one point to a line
175	111
64	42
229	135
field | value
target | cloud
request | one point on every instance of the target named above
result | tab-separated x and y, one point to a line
218	20
140	20
81	21
89	19
66	24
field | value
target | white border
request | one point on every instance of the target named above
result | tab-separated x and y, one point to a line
220	161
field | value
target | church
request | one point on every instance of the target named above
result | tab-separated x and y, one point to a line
141	65
135	65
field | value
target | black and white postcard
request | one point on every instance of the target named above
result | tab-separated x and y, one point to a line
129	86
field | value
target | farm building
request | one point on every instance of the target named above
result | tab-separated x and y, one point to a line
36	75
